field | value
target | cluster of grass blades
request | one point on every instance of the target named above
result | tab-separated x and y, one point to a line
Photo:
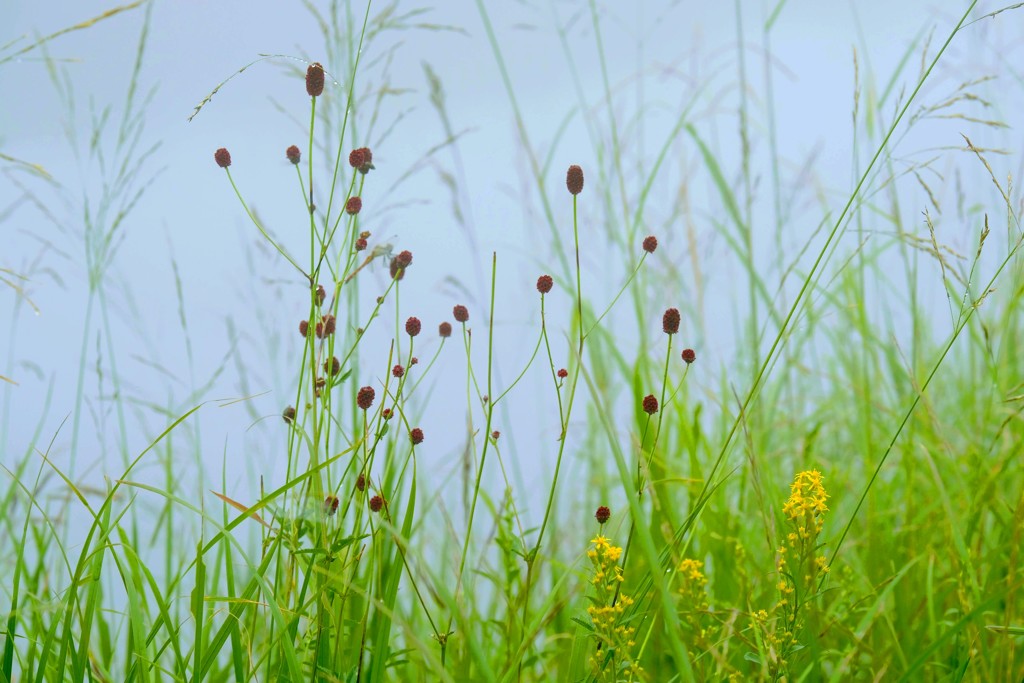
839	502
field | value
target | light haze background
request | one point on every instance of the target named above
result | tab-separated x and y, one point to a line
243	305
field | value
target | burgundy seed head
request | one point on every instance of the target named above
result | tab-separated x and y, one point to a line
461	313
330	324
222	157
289	414
398	371
416	435
330	505
333	366
367	164
412	326
304	328
445	329
315	79
404	258
544	284
689	355
321	293
356	158
293	154
353	205
364	399
602	514
563	373
361	244
320	330
495	434
413	361
386	413
670	321
397	271
574	179
650	404
376	503
361	482
650	244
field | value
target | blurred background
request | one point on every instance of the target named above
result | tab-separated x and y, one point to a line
197	309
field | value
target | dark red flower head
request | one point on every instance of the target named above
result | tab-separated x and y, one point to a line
321	294
416	435
602	515
445	329
353	205
562	373
670	321
574	179
293	154
222	157
289	414
330	324
330	505
304	328
461	313
495	434
650	404
412	326
396	269
364	399
398	370
361	482
356	158
544	284
332	366
315	79
650	244
376	503
404	258
689	355
361	244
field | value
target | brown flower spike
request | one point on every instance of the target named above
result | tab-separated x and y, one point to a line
445	329
412	326
574	179
222	157
650	404
315	79
461	313
670	321
650	244
353	205
689	355
603	514
364	399
544	284
416	435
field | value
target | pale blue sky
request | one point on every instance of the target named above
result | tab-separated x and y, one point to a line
190	210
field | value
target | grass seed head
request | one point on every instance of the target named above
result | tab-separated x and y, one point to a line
222	157
315	79
574	179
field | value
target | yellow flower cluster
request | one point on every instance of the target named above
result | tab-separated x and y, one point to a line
615	640
693	601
